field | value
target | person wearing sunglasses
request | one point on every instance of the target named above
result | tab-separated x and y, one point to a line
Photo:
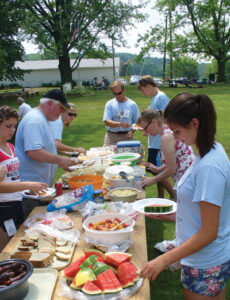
57	127
159	101
175	155
119	115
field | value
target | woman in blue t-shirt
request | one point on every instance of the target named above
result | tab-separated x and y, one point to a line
203	203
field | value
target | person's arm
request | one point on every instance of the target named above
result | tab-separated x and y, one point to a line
62	147
2	173
42	155
114	124
207	233
12	187
169	151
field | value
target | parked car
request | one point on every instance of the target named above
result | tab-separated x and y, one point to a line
158	81
172	83
134	79
123	80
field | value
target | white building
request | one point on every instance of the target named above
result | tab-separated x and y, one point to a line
46	71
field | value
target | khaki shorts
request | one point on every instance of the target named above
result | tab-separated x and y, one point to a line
111	138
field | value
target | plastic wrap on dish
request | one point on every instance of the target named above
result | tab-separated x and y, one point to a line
74	200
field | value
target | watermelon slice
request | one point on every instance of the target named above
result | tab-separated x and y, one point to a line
158	208
99	267
88	261
117	258
71	271
89	252
114	278
106	283
127	274
91	288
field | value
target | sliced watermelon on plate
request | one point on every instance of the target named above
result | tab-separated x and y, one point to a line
105	283
127	274
89	252
117	258
71	271
91	288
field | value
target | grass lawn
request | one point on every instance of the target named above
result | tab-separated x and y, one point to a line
88	130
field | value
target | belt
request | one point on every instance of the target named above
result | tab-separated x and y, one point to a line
118	132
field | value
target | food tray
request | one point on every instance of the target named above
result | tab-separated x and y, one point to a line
56	263
41	284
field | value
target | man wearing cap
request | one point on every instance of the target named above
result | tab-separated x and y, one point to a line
119	116
35	143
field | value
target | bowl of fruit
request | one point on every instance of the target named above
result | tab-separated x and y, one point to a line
105	228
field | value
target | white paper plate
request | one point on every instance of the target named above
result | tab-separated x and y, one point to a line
140	205
49	192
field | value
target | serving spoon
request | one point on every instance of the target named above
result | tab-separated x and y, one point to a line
125	220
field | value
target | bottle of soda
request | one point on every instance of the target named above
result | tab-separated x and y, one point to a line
58	187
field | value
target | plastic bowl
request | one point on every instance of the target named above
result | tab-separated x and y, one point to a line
130	198
125	157
82	180
18	290
117	183
108	237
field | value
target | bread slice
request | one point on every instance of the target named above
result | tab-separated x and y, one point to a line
60	242
40	259
21	255
63	249
62	256
25	248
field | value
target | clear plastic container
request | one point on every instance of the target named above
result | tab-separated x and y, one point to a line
139	172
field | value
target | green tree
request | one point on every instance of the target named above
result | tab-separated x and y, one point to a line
185	66
208	33
206	30
11	48
52	25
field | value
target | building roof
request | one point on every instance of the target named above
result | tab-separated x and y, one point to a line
53	64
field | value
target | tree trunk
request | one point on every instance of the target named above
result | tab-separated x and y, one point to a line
221	70
64	68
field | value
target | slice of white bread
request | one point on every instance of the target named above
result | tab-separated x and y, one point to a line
62	256
61	242
40	259
63	249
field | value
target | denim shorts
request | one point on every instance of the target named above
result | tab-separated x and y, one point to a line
208	282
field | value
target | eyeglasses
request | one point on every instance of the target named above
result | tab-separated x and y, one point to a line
72	114
146	127
119	93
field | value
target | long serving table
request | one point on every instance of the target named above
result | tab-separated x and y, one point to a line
138	251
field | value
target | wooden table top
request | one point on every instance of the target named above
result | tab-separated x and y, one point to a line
138	251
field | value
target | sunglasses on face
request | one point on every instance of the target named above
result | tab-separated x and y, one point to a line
118	94
146	127
72	114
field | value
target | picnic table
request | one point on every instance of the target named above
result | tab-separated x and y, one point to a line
138	251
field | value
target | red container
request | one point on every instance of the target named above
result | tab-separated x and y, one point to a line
58	187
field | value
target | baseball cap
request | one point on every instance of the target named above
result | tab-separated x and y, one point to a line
57	95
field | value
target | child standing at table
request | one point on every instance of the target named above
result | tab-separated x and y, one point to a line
203	203
11	211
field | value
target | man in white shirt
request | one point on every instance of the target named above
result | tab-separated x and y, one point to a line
23	107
